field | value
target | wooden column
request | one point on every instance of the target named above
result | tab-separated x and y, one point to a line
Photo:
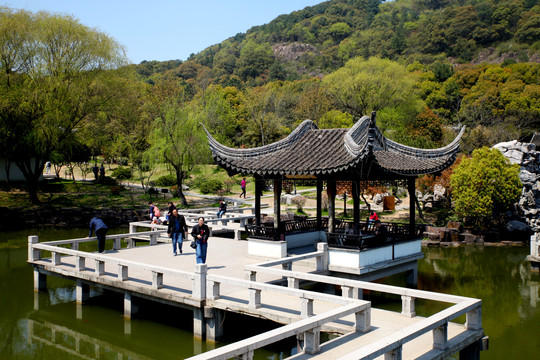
319	204
356	202
277	209
258	192
412	201
331	191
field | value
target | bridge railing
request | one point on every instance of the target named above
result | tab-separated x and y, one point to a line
105	265
437	323
310	327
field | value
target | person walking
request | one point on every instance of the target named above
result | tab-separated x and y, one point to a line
97	225
176	230
151	213
102	171
48	168
200	233
243	186
171	208
95	170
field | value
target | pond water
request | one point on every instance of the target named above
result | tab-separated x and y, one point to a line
499	276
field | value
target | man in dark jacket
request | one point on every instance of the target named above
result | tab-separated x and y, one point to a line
101	232
176	229
200	233
222	208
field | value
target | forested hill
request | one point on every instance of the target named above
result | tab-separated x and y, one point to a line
320	39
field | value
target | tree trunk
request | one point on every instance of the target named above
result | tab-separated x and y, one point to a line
31	173
179	180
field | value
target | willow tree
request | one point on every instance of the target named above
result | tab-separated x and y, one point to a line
53	76
363	86
177	138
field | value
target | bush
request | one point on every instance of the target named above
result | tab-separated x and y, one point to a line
174	191
107	180
228	185
484	186
115	190
122	173
166	180
299	201
210	186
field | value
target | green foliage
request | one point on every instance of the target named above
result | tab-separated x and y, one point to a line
166	180
484	186
210	186
122	173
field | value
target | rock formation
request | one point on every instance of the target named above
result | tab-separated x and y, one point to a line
526	156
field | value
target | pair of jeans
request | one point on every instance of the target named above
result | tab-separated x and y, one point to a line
200	252
101	234
220	213
177	239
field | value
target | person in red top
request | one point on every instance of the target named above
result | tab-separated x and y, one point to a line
373	217
243	187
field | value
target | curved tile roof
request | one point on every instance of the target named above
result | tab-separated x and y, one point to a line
310	151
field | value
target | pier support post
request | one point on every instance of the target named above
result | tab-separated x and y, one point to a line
198	323
82	292
40	280
395	354
214	323
471	352
411	278
130	308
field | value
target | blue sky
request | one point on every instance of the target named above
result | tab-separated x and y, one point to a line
167	29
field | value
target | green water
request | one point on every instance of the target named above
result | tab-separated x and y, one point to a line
498	276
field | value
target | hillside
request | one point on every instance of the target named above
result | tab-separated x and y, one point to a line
322	38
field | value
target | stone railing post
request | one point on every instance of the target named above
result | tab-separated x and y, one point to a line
322	261
440	337
474	319
33	254
199	282
408	306
307	307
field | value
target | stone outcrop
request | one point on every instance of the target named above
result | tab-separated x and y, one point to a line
526	156
67	217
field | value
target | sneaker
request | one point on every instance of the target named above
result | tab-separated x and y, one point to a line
180	251
174	254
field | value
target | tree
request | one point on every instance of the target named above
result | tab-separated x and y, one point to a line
59	67
484	186
177	138
364	86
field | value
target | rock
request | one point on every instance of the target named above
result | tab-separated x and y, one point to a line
517	226
286	199
455	225
378	199
439	192
527	178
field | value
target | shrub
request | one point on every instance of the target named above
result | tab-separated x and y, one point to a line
228	184
299	201
288	186
122	173
174	191
107	180
166	180
210	186
484	185
115	190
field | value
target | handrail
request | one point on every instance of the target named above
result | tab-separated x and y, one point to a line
432	323
255	342
115	261
86	239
